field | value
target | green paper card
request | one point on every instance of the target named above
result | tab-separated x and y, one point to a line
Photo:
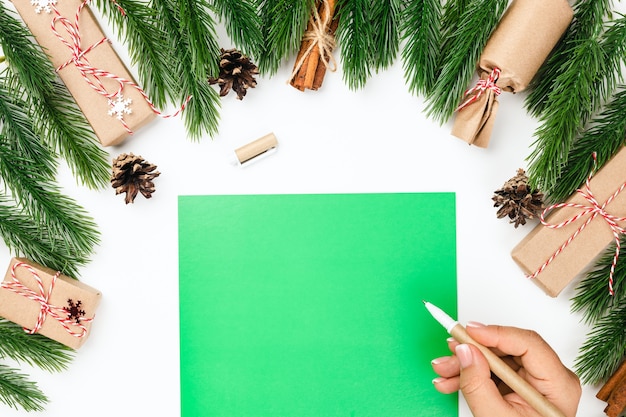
311	305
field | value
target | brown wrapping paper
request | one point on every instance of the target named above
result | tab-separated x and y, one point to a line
542	242
94	106
24	311
525	36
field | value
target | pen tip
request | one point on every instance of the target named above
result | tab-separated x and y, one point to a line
424	301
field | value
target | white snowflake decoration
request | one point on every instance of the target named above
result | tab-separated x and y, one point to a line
43	5
119	107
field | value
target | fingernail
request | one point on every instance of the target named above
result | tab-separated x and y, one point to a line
450	340
438	361
474	324
464	353
438	380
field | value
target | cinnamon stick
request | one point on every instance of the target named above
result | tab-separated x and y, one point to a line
308	71
612	382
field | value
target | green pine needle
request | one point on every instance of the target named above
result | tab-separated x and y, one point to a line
592	294
604	348
198	27
284	23
17	391
422	36
355	35
385	21
57	119
571	104
149	47
588	22
459	64
34	350
606	136
453	12
242	21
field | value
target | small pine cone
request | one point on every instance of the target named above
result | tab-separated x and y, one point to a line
236	72
133	174
517	201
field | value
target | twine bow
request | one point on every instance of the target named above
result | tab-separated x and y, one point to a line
319	36
94	76
43	298
595	209
481	86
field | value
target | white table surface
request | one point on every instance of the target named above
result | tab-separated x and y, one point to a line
331	141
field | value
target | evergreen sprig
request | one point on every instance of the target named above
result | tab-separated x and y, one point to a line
174	45
574	99
33	350
16	390
587	23
592	297
283	23
355	34
385	22
464	47
421	32
201	114
604	348
57	119
27	169
605	136
242	21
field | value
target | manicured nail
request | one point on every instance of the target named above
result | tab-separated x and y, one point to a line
451	340
464	353
475	324
441	360
438	380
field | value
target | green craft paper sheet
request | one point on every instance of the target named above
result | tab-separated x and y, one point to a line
311	305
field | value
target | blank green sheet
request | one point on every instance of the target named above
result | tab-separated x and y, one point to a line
311	305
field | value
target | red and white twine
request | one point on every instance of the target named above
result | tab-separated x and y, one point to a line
74	328
92	75
595	209
481	86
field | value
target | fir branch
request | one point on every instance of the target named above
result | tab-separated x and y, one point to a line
25	166
569	105
355	35
284	23
592	295
452	13
459	64
198	26
604	348
421	33
17	391
587	23
34	350
149	46
201	113
385	21
605	137
27	239
572	102
242	21
60	124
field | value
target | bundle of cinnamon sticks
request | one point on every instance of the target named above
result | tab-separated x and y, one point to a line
315	55
614	393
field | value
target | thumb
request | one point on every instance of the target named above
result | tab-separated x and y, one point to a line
479	390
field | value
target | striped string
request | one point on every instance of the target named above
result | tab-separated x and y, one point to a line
42	297
481	86
93	76
595	209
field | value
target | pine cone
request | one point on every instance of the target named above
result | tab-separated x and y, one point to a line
517	201
133	174
236	72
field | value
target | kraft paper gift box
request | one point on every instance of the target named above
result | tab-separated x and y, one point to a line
70	305
527	33
95	106
578	255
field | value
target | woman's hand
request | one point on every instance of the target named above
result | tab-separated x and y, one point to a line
526	352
